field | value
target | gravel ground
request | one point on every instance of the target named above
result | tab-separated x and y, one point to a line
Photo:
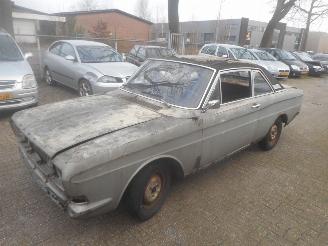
278	197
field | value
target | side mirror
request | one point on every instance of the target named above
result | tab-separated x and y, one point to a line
211	105
70	58
28	55
224	56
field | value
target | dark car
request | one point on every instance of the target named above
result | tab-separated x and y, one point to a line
140	53
323	58
315	67
297	67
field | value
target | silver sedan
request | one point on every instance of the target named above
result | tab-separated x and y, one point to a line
86	66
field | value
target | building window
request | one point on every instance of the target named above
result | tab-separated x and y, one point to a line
208	37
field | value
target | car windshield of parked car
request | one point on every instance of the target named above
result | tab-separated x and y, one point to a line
264	56
285	55
241	53
9	50
304	56
321	57
159	52
98	54
173	83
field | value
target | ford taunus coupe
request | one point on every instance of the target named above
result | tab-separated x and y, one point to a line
172	118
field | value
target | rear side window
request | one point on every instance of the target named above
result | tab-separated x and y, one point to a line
55	48
261	86
236	86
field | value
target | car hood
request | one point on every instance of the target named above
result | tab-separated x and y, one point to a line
115	69
57	127
271	66
14	70
295	62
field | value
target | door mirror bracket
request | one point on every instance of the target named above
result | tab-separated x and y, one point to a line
211	105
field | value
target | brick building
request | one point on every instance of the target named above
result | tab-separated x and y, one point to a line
112	23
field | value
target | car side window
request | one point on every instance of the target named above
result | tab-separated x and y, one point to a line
261	86
235	86
211	50
133	51
222	52
142	53
55	48
67	50
204	50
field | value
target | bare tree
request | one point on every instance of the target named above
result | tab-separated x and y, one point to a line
281	10
313	10
173	16
86	5
142	9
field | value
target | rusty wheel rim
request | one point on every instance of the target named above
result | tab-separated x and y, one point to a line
273	133
153	189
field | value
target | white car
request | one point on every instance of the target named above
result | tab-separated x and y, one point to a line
277	69
86	66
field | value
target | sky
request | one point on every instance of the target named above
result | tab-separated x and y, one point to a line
260	10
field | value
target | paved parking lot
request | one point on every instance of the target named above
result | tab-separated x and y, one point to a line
254	198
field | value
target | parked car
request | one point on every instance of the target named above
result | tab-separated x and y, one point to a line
18	86
323	58
297	67
86	66
172	118
140	53
315	67
277	68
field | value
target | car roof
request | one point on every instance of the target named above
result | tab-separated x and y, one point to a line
83	42
214	62
151	46
225	45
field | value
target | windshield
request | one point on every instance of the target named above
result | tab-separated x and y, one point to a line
304	56
98	54
159	52
9	50
171	82
285	55
321	57
241	53
265	56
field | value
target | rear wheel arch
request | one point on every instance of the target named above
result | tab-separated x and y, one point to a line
283	118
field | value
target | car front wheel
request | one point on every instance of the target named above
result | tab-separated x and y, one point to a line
85	88
148	191
48	77
272	137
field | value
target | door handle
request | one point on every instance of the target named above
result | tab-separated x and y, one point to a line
256	105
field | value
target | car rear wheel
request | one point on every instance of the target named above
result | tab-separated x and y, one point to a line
48	77
148	191
272	137
85	88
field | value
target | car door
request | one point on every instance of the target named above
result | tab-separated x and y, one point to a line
67	69
265	100
132	56
231	126
52	60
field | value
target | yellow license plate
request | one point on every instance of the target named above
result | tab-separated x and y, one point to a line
5	96
284	74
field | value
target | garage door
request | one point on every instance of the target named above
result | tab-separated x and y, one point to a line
26	27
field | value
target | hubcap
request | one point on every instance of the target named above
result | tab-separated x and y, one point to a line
48	77
273	133
153	189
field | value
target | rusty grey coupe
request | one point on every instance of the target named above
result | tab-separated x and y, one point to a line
172	118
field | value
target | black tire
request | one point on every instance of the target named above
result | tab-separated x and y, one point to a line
140	192
85	88
48	77
272	137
